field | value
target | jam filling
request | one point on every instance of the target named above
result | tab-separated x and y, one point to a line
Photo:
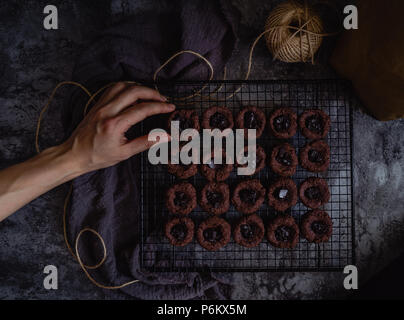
282	123
281	193
316	156
181	199
214	198
251	120
179	231
249	196
284	157
214	166
284	233
256	163
248	231
185	167
313	193
185	123
218	120
315	124
319	227
212	234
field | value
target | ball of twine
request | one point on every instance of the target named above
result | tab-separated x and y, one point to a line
294	32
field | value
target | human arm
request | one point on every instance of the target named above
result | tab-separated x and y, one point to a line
98	142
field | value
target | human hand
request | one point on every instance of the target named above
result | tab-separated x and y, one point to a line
99	141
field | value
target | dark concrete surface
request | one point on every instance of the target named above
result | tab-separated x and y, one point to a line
33	61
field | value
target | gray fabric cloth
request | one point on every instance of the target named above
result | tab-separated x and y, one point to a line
107	200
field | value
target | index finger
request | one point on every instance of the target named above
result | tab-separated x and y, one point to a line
143	110
131	95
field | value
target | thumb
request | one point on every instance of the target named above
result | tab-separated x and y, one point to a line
145	142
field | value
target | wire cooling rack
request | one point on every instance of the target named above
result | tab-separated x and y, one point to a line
333	97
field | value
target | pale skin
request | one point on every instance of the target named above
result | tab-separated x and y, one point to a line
98	142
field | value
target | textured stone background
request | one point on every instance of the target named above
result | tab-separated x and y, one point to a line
33	61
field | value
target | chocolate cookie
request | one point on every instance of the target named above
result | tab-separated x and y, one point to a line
216	172
188	119
316	226
283	232
315	156
283	123
260	158
182	171
215	198
213	233
180	231
181	198
248	196
249	231
217	118
284	160
251	118
282	194
314	124
314	192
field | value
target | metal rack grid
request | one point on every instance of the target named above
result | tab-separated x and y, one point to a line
332	96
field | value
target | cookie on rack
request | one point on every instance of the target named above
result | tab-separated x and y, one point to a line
283	160
316	226
283	123
282	194
314	124
214	171
182	171
217	118
314	192
283	232
251	118
315	156
215	198
181	198
248	196
249	231
213	233
188	119
180	231
260	158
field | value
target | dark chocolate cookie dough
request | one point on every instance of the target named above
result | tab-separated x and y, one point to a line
248	196
314	124
217	118
283	232
216	172
182	171
283	123
215	198
213	233
180	231
260	158
249	231
282	194
188	119
181	198
315	156
314	192
316	226
283	160
251	118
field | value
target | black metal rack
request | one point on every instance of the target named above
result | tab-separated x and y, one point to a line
332	96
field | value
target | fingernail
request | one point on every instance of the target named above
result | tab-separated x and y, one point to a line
164	98
172	106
